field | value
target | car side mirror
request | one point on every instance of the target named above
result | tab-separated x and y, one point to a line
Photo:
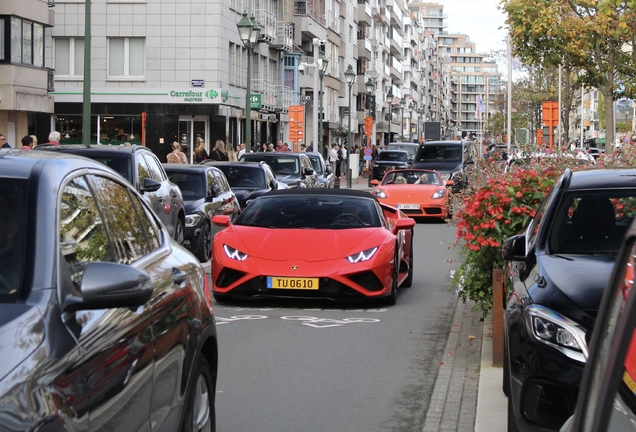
149	185
107	285
374	182
514	248
221	220
449	183
328	169
273	184
308	171
469	162
405	223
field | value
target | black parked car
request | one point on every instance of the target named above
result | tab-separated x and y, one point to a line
106	322
249	180
292	168
557	273
450	159
142	169
325	176
206	193
388	160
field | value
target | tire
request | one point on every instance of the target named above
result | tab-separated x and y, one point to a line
179	231
205	244
512	422
409	279
200	414
391	299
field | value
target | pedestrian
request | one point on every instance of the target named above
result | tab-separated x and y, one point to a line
218	153
3	140
35	141
303	147
339	160
241	151
286	147
270	147
200	153
343	154
332	157
231	154
54	138
176	156
263	148
27	143
279	146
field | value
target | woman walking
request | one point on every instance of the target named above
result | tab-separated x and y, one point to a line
200	154
219	153
176	156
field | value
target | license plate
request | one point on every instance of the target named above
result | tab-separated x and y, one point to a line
292	283
409	206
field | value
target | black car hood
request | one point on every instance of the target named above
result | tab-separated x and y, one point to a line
21	332
439	166
581	278
391	163
193	206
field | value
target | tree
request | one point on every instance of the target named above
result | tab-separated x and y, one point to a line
589	35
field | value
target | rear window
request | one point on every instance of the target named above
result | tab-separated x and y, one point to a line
388	155
192	185
244	177
439	153
13	202
279	163
120	163
411	149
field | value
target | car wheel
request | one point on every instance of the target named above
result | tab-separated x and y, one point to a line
392	298
512	422
205	244
178	231
409	279
200	416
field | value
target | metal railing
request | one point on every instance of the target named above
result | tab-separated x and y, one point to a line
309	9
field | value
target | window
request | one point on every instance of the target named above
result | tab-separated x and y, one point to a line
26	42
2	55
69	57
126	57
155	168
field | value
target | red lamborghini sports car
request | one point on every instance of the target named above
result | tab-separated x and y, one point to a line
419	193
313	243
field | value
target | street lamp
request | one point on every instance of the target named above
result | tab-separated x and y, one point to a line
370	87
410	136
403	105
419	112
350	77
249	31
323	62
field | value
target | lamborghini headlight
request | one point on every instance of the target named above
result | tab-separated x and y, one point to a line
234	253
365	255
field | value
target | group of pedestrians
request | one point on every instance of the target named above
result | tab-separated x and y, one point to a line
30	141
221	152
337	158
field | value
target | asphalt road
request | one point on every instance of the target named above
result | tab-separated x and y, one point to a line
307	366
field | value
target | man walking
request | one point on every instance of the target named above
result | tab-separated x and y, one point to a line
27	142
54	138
3	141
241	151
333	157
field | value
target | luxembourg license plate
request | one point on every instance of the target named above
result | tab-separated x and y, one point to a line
409	206
292	283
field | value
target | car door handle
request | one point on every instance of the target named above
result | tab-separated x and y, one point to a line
178	276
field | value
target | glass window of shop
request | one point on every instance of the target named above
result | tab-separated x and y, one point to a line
114	130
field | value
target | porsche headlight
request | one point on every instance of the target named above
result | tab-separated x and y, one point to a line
365	255
234	253
441	193
379	193
561	333
192	220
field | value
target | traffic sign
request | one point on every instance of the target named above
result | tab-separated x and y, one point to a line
368	126
367	151
255	101
367	158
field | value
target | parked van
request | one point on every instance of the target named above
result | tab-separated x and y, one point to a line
410	148
448	158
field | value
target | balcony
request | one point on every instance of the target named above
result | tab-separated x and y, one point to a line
267	21
364	13
284	98
267	90
310	10
284	40
364	49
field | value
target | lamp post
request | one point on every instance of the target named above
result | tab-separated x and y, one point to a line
403	105
410	136
323	62
389	97
249	32
350	77
419	112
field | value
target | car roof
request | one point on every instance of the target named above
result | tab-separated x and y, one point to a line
395	151
404	143
600	178
449	142
242	164
22	162
188	167
323	191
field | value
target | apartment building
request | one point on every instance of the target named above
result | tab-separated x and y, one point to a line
25	82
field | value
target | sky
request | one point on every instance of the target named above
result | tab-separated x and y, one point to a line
479	19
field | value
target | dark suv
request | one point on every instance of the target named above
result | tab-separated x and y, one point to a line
388	160
557	272
291	168
143	170
249	180
449	158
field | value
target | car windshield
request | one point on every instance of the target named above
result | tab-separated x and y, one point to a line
410	149
120	163
315	162
440	153
412	177
12	237
281	165
315	211
592	222
192	184
388	155
244	177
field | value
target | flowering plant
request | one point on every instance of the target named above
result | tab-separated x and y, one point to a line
497	203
